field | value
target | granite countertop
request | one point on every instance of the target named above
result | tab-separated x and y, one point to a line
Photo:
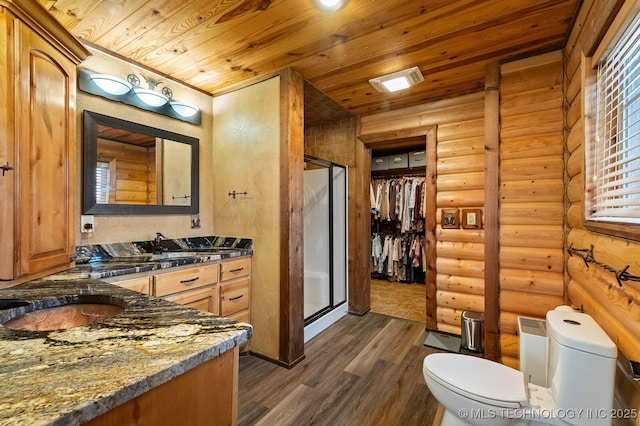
67	377
115	266
115	259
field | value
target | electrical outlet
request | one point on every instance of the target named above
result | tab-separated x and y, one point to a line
86	224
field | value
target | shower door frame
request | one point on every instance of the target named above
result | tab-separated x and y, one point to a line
331	307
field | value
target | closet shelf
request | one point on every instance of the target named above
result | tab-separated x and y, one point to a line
405	172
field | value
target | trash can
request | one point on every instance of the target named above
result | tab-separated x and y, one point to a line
472	331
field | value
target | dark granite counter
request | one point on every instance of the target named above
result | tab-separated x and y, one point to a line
67	377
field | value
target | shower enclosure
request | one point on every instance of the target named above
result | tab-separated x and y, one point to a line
325	244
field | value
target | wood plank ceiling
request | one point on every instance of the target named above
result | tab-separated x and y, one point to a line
220	45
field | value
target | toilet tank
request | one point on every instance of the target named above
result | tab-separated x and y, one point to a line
582	362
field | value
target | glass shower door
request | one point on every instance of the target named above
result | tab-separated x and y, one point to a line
325	232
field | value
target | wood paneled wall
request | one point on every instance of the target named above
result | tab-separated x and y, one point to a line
460	184
133	174
593	289
459	123
531	233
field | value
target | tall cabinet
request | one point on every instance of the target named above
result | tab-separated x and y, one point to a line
38	61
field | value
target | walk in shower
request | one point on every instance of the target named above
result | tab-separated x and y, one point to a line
325	245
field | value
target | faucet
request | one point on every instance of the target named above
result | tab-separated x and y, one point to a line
157	243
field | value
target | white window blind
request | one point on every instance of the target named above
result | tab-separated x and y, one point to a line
616	159
102	183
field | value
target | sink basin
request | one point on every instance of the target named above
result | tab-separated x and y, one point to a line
69	312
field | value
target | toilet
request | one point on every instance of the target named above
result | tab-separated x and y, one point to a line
581	364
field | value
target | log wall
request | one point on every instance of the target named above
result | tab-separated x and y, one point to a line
593	289
133	172
531	234
459	280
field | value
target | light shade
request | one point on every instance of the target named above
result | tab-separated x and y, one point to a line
331	5
111	84
184	109
150	97
398	80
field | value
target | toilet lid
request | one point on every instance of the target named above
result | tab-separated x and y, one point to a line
478	378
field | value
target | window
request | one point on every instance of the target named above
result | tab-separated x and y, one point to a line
102	183
613	166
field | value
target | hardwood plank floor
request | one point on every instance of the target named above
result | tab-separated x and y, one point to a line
400	300
360	371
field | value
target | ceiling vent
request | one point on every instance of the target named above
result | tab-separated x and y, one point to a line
398	80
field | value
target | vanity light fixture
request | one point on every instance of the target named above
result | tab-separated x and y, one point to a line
398	80
130	92
111	84
331	5
183	108
148	96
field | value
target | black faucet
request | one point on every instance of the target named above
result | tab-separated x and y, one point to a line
157	244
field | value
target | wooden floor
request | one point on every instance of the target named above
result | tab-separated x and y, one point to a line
360	371
400	300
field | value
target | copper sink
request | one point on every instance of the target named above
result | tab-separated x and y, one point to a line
73	312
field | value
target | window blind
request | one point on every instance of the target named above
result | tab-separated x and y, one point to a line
616	168
102	183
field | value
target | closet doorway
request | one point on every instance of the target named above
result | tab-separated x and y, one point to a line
403	227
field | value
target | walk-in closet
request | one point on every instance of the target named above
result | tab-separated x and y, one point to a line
398	263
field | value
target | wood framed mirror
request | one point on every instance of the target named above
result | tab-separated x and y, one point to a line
130	168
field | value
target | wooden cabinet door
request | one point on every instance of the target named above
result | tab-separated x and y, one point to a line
45	144
141	284
204	299
7	154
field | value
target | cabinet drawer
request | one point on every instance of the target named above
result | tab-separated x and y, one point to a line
204	299
242	316
186	279
232	269
141	285
234	297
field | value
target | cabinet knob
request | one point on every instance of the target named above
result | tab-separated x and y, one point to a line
6	168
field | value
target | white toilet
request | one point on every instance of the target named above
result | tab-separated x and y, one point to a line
581	364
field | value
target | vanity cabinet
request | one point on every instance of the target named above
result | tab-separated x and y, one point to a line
38	61
195	287
222	288
140	284
235	285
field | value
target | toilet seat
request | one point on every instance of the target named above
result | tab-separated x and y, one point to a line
478	379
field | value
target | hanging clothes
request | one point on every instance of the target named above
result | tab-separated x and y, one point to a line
399	199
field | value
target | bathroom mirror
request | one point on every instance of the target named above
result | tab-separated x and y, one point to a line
130	168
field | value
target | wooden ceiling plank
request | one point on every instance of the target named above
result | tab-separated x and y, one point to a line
271	37
353	50
135	24
70	12
217	45
446	46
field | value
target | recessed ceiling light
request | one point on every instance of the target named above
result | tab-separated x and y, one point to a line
330	5
398	80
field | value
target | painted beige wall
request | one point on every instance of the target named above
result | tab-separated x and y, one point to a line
246	154
128	228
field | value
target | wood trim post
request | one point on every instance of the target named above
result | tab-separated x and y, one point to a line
491	206
430	201
291	219
360	232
